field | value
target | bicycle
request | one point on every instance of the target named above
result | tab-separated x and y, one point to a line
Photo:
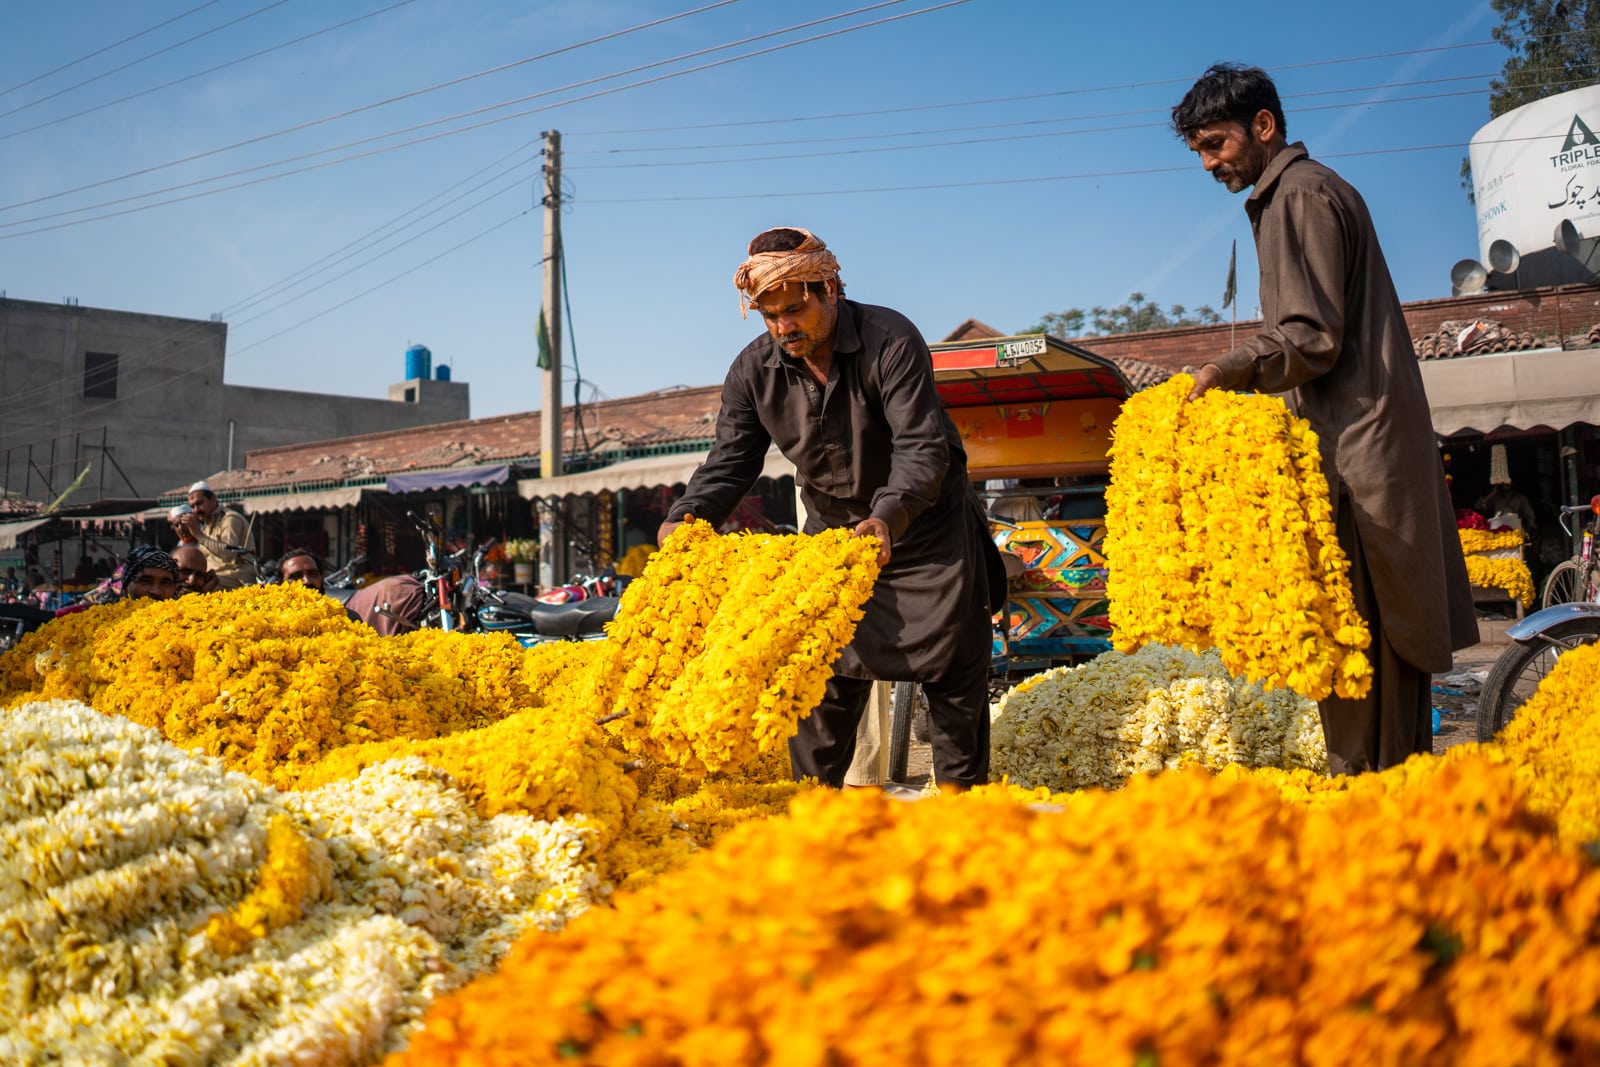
1577	579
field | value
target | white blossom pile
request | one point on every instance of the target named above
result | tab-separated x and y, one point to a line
117	849
1138	713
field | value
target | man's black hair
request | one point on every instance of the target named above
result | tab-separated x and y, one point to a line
784	239
1227	92
295	552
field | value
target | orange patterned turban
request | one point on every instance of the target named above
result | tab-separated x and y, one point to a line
811	262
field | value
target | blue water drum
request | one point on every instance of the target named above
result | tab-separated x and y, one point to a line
419	362
442	372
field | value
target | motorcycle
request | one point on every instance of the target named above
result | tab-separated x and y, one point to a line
18	618
455	598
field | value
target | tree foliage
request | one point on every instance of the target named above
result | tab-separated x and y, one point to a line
1554	45
1135	316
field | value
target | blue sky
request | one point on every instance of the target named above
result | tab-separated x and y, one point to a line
998	159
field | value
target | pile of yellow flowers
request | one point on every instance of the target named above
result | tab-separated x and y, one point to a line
1185	919
1125	714
1494	562
1219	533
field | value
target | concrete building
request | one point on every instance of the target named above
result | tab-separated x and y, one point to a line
139	400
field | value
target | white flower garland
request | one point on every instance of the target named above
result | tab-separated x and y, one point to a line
116	848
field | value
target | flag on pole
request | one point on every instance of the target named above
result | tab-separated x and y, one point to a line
544	342
1232	289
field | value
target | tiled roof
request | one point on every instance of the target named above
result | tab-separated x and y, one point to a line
973	330
666	420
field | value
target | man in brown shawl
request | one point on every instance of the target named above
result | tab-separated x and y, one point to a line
1334	339
846	391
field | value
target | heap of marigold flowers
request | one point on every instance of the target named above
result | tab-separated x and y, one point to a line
1219	533
1185	919
1125	714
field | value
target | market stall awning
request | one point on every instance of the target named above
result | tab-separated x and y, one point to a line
10	531
450	478
1545	387
140	515
637	474
310	500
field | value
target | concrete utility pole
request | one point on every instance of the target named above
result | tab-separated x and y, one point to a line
552	549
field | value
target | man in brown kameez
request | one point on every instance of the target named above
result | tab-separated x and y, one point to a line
846	392
1334	339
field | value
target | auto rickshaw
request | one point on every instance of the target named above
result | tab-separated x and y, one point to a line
1035	414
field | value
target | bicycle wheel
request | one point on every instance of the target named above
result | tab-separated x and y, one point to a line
1520	669
1564	586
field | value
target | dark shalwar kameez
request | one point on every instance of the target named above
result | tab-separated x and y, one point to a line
873	442
1334	339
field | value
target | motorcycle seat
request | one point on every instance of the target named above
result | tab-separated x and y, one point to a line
553	620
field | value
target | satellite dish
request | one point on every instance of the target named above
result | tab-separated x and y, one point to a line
1468	276
1568	240
1503	256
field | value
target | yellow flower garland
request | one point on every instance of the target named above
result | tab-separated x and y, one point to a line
1219	533
725	642
1490	540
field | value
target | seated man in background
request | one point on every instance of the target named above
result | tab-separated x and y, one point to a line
147	572
194	576
222	534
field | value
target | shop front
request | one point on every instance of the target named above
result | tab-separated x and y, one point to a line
1530	417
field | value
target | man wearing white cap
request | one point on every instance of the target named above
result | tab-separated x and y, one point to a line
220	534
1502	499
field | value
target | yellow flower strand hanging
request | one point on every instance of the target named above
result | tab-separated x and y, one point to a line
1219	533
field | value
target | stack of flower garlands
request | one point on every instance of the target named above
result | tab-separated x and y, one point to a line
1494	561
1155	709
1219	534
436	795
1445	911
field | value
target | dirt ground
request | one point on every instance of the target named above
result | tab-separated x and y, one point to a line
1455	696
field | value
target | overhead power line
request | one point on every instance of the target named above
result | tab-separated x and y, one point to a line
106	48
1033	180
446	133
364	107
209	70
144	58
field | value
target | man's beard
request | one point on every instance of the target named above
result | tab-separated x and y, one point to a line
799	346
1247	173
